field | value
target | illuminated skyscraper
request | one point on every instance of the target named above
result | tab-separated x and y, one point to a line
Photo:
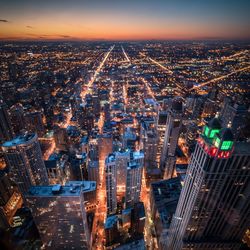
133	183
24	158
59	214
111	183
173	126
235	114
122	159
213	209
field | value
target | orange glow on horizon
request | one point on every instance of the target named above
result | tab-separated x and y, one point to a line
110	26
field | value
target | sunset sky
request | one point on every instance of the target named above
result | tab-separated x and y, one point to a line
124	20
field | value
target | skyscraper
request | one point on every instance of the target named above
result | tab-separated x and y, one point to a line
213	209
234	113
133	183
60	216
173	126
24	158
5	125
111	183
34	123
122	158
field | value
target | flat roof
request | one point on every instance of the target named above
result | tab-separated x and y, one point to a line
110	221
54	190
19	140
87	186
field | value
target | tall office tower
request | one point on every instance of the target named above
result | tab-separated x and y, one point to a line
111	183
17	118
172	132
213	209
34	123
106	110
138	218
235	114
93	150
190	136
195	105
164	196
151	142
93	171
111	229
24	158
121	160
96	105
5	125
60	216
161	127
133	183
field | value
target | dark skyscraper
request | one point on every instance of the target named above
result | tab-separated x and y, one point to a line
6	132
24	158
213	209
60	216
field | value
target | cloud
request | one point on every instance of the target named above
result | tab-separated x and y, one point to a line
29	27
4	21
64	36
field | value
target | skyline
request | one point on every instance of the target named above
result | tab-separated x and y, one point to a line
120	20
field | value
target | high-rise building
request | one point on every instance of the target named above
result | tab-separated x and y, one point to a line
60	216
122	158
93	150
235	114
164	196
149	141
134	179
6	132
173	126
93	171
138	218
111	183
161	127
34	123
17	119
111	229
24	158
213	209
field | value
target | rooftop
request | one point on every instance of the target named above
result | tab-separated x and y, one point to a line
54	190
20	140
166	194
111	221
87	186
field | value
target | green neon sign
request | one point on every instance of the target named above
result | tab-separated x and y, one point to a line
217	142
226	145
213	133
210	133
